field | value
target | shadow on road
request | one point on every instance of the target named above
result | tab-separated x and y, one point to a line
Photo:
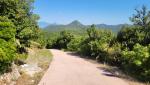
111	71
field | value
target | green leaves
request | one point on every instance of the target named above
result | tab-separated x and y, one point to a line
137	60
16	22
135	42
137	56
74	44
141	18
7	43
97	43
93	33
63	40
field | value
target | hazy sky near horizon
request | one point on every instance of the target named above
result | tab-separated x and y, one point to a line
87	11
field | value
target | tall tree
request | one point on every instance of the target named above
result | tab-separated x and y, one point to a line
17	23
7	43
20	13
142	17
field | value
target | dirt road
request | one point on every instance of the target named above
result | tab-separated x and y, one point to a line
67	69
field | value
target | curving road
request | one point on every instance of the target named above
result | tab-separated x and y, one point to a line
67	69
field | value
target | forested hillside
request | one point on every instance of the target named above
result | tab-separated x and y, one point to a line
76	25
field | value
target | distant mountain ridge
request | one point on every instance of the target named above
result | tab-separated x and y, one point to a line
75	25
43	24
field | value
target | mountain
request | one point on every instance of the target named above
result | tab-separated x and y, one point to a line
114	28
43	24
76	25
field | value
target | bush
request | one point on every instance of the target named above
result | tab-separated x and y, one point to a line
49	44
42	39
62	41
129	36
97	43
7	44
137	61
74	44
114	55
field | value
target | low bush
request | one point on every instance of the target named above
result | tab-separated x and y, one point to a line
63	40
137	61
113	56
74	44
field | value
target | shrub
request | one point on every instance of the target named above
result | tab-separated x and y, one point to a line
62	41
129	36
136	61
90	48
114	55
97	43
7	44
74	44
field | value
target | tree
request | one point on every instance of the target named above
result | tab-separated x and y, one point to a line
131	35
74	44
20	13
142	17
64	39
7	43
139	33
97	42
93	32
17	23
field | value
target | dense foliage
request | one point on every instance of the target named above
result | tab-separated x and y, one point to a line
96	42
135	45
137	61
7	43
74	44
18	26
63	39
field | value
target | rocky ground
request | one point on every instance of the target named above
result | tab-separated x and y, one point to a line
31	71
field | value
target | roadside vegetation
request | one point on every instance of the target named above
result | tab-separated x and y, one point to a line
19	32
18	27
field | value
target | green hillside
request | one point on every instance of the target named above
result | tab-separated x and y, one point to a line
78	26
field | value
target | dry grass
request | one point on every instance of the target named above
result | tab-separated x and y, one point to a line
27	80
40	57
24	80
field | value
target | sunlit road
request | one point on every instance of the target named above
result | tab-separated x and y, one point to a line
67	69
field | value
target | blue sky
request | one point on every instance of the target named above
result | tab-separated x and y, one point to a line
87	11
